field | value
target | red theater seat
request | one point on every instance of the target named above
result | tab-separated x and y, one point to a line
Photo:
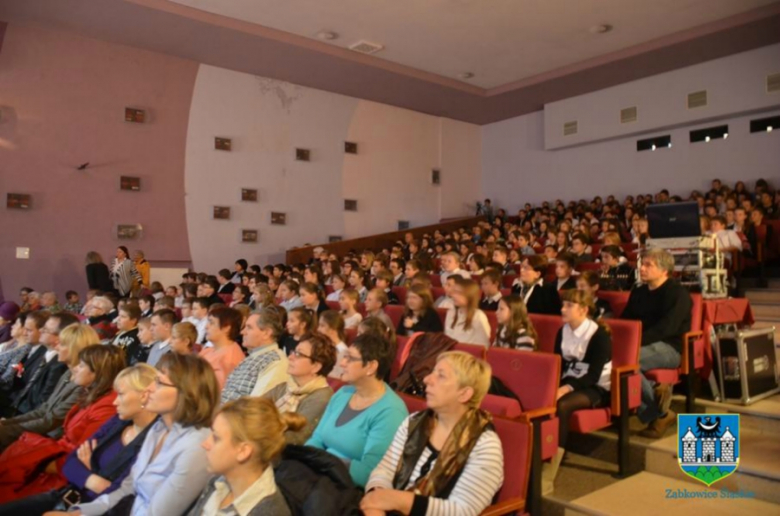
395	313
546	327
471	349
333	305
617	300
401	293
508	280
435	280
442	314
402	349
350	335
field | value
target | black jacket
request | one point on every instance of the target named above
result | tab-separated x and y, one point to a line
430	322
665	312
597	355
227	288
98	277
41	387
569	284
314	482
543	300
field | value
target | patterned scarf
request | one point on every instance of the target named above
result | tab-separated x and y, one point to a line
294	393
452	458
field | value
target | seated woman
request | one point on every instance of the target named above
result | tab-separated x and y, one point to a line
419	314
101	464
348	303
300	321
337	282
515	329
246	437
306	391
170	471
14	352
223	330
184	338
100	317
446	459
465	322
331	325
376	301
362	417
50	415
311	296
585	348
21	463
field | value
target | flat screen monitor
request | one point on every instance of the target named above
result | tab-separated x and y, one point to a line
673	220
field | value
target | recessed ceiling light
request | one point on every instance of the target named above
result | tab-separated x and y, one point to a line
466	75
327	35
600	29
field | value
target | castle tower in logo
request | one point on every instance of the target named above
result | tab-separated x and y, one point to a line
708	446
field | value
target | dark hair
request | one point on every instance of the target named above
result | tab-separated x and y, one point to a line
322	352
312	288
566	258
70	293
292	286
149	299
244	290
334	320
243	263
39	317
228	317
124	250
581	237
212	282
65	319
538	263
106	362
225	273
493	275
612	250
132	310
204	302
373	346
26	290
271	319
166	316
307	317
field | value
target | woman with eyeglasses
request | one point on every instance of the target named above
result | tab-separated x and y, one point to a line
306	390
362	417
446	459
100	464
31	454
171	468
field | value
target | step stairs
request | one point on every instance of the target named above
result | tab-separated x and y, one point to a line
586	484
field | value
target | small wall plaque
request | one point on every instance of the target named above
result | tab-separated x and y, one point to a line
249	195
350	205
128	231
222	212
436	176
280	219
249	236
17	201
137	116
224	144
303	154
130	184
350	147
335	238
403	224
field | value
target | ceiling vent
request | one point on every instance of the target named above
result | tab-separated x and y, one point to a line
366	47
570	128
773	83
628	115
697	99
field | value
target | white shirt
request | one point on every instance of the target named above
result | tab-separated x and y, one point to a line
479	333
445	302
352	321
456	272
574	345
263	487
341	350
334	296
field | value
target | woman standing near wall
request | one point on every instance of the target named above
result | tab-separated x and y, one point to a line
123	272
97	273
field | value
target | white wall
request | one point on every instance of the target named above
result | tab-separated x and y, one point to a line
517	168
735	85
390	177
519	165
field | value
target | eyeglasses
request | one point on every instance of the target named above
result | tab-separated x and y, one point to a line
349	358
298	354
160	383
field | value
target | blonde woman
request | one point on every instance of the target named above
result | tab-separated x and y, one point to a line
246	437
50	415
102	463
446	459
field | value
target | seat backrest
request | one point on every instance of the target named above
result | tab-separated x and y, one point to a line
516	267
589	266
437	292
472	349
697	309
413	403
533	377
401	293
333	305
506	291
395	313
508	279
546	327
501	406
626	341
442	312
516	443
329	289
617	300
350	335
549	276
435	280
361	309
491	317
402	346
335	383
227	298
595	249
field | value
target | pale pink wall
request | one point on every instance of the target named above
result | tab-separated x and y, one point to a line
62	99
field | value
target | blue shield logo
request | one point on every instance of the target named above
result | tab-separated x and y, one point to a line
708	445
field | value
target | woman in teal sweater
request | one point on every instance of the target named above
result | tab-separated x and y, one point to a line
361	418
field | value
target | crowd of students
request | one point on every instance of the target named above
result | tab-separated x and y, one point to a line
189	400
